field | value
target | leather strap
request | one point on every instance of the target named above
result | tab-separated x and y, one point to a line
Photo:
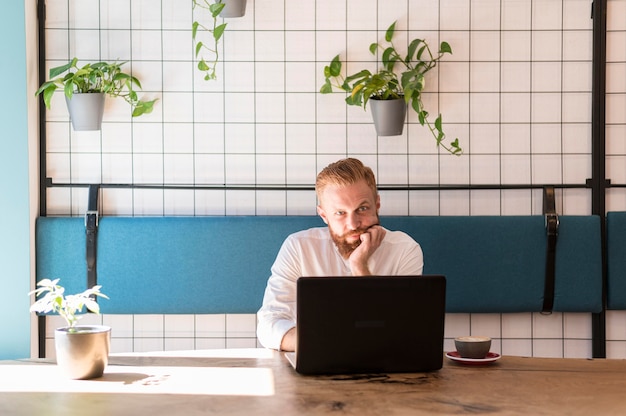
552	227
91	227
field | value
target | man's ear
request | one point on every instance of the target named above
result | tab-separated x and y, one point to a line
322	214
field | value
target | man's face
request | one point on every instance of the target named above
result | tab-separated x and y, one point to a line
349	211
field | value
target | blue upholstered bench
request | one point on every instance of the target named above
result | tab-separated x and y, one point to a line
203	265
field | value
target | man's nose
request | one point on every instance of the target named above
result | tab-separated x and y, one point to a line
354	221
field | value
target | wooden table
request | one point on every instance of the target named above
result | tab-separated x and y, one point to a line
261	382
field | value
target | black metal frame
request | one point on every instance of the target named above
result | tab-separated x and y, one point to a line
41	39
599	182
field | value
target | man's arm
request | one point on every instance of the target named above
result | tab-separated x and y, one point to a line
289	340
277	314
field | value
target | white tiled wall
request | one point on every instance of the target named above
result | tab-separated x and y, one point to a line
516	91
143	333
525	334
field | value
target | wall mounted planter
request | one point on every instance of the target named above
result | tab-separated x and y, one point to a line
86	111
234	8
388	115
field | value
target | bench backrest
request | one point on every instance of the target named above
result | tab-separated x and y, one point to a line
209	265
616	260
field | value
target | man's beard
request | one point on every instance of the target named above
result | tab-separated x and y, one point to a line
341	241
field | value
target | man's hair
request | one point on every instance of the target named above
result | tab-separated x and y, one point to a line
344	172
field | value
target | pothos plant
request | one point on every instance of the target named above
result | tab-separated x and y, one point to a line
208	65
99	77
52	298
398	77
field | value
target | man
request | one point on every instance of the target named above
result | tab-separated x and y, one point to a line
353	244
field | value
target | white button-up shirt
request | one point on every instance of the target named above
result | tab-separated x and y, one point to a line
312	252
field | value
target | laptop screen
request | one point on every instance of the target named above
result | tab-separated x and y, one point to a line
370	324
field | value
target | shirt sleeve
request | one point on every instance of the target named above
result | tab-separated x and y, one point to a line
413	263
278	312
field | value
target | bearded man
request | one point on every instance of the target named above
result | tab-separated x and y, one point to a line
353	244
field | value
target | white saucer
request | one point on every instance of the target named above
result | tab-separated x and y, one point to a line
491	357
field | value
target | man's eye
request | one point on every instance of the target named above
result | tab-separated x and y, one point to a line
363	208
340	212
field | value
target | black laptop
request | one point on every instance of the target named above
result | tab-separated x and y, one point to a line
374	324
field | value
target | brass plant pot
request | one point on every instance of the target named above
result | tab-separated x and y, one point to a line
83	354
388	115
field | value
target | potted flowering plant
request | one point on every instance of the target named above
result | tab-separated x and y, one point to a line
82	350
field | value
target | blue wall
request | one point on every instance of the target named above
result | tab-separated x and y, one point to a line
14	202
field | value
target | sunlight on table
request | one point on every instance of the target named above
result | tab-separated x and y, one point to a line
143	380
216	353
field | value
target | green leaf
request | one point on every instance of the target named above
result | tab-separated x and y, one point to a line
69	89
219	31
408	92
373	48
389	58
335	67
47	97
194	29
327	87
361	74
438	123
202	65
456	148
198	48
412	48
216	8
420	52
143	107
418	107
389	32
55	72
445	48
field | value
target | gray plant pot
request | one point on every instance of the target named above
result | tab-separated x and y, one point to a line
86	111
388	115
83	354
234	8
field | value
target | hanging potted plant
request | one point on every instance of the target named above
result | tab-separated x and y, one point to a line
85	90
397	84
215	9
82	350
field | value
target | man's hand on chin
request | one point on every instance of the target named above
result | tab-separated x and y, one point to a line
370	241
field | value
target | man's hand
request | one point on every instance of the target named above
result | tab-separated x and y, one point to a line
370	241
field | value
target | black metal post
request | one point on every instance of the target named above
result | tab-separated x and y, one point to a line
41	39
598	180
